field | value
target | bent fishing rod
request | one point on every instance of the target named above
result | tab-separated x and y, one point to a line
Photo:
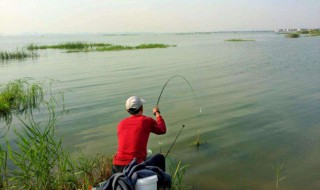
194	96
187	82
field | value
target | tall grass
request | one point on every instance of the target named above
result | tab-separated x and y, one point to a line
278	173
177	171
87	47
92	171
68	46
18	54
4	176
293	35
141	46
39	160
239	40
36	154
19	97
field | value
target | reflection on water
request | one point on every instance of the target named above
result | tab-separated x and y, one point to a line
260	101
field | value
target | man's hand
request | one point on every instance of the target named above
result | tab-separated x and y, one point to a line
156	111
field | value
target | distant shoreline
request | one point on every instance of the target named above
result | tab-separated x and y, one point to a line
135	33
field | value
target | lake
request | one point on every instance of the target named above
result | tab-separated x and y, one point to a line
260	101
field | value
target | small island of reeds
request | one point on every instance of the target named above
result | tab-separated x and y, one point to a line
304	33
18	54
293	35
239	40
88	47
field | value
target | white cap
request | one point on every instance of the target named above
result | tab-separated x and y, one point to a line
134	102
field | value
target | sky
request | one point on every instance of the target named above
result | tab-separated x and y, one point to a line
160	16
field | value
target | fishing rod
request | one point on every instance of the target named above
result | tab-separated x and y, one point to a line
200	110
174	142
187	82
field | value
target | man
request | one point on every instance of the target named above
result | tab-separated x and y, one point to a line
133	134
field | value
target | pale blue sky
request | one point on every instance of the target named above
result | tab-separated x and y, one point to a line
110	16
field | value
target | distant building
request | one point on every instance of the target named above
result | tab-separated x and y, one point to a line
289	30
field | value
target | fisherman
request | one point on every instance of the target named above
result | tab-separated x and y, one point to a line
133	135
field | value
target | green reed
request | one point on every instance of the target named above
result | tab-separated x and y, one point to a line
37	156
4	176
177	172
293	35
18	54
92	171
278	173
19	97
239	40
74	47
69	46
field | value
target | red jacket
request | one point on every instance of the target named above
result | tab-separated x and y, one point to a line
133	135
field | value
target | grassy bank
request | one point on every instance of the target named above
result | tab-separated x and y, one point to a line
88	47
305	33
18	54
239	40
310	32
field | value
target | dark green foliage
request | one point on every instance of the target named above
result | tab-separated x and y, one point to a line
68	46
19	54
36	154
293	35
239	40
19	97
74	47
177	172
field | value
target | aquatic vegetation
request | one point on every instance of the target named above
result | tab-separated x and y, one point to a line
4	175
18	54
198	142
92	171
19	97
278	169
36	155
177	172
74	47
194	33
293	35
142	46
115	48
314	32
69	46
239	40
39	159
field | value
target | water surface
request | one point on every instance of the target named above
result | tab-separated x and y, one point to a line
260	101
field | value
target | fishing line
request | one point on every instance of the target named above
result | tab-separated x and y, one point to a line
188	83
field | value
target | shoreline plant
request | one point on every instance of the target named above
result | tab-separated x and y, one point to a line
177	171
35	158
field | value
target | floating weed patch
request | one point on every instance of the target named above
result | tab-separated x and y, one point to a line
19	54
198	142
76	47
293	35
239	40
69	45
